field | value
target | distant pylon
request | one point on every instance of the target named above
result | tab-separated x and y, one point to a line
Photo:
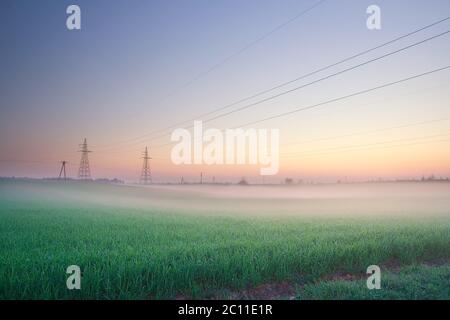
63	170
146	176
84	172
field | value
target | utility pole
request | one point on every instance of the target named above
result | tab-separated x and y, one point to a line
63	170
84	172
146	176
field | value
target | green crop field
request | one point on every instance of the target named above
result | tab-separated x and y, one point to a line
169	242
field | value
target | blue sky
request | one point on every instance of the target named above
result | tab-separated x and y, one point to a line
125	73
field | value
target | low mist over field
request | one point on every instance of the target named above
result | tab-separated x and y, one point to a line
361	199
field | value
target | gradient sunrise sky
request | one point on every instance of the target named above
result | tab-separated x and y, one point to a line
139	66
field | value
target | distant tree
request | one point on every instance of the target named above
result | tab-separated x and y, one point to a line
243	182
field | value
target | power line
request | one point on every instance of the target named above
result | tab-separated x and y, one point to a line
332	100
355	133
285	83
374	147
323	78
327	77
217	65
245	48
32	162
349	148
405	125
344	97
408	125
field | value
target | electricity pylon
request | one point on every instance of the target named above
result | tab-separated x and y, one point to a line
63	170
84	172
146	176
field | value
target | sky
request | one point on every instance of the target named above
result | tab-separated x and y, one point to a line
136	67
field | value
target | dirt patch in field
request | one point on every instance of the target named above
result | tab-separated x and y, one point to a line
268	291
437	262
286	290
393	265
341	276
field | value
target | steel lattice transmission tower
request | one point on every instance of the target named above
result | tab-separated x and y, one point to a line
84	172
63	170
146	176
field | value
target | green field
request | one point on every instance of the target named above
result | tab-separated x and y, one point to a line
170	242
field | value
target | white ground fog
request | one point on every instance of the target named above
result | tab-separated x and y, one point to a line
370	199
